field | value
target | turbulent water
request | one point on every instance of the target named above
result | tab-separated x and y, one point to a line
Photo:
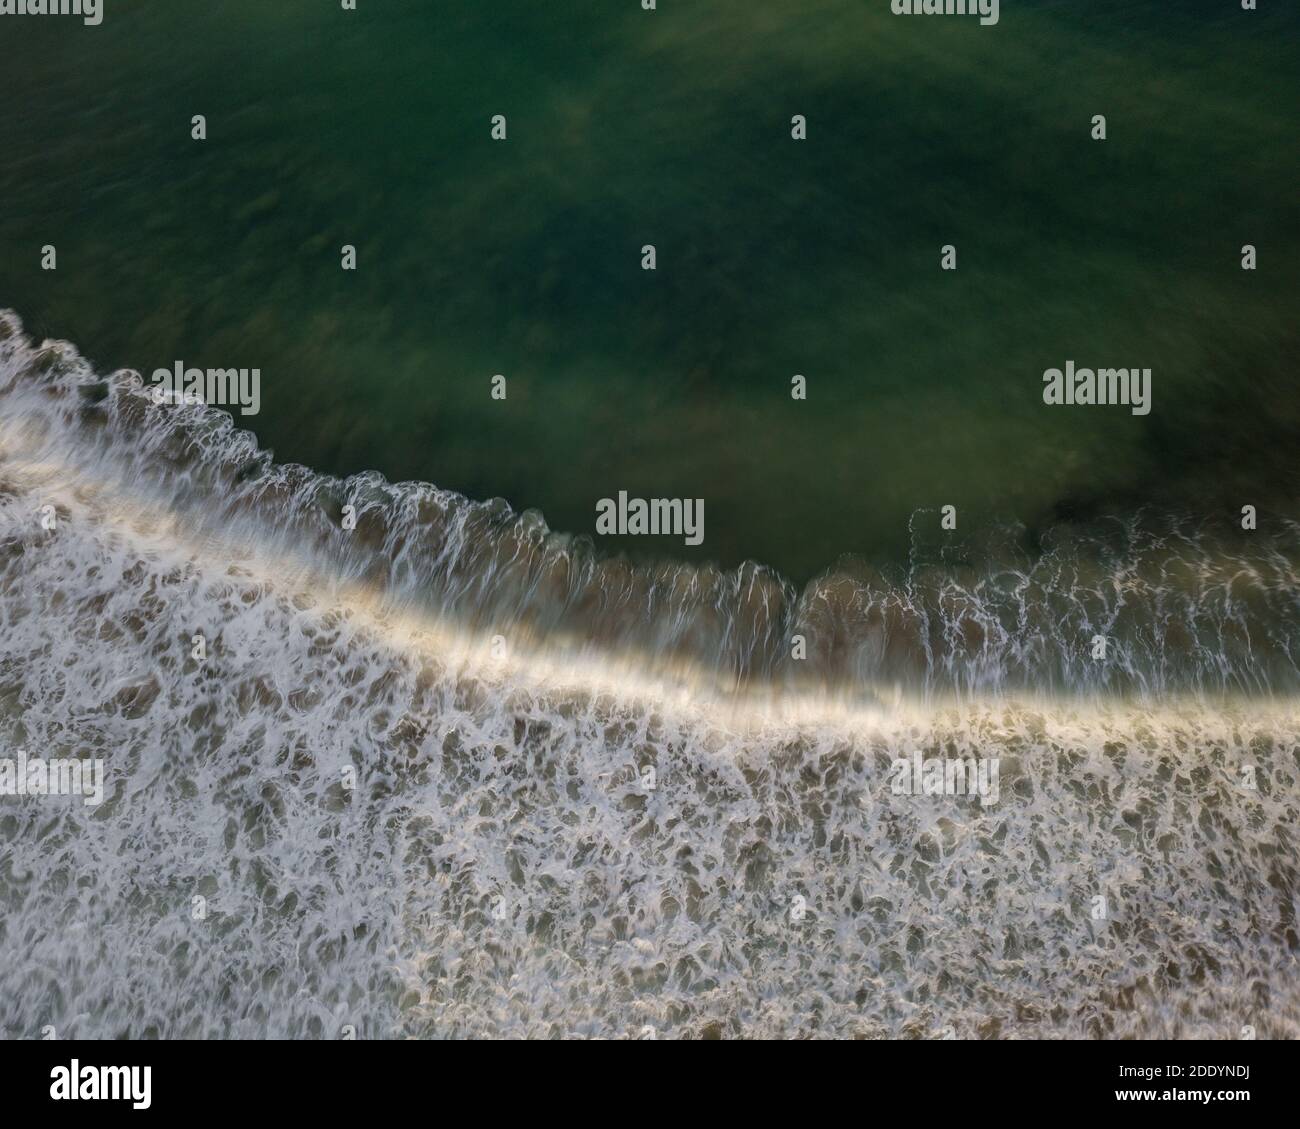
449	773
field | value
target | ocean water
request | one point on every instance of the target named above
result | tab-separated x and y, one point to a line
472	769
775	257
396	828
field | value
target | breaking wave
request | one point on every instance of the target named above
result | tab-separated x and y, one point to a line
356	815
1181	609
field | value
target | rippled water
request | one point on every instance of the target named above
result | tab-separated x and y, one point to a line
775	257
397	825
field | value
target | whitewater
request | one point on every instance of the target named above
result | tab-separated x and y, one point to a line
452	774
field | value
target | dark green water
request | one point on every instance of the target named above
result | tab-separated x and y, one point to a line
775	257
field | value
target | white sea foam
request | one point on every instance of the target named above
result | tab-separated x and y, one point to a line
393	832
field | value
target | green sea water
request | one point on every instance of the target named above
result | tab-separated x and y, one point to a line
611	828
775	257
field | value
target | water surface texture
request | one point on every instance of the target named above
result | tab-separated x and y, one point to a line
460	768
390	829
775	257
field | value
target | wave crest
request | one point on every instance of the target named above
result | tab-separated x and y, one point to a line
1181	609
